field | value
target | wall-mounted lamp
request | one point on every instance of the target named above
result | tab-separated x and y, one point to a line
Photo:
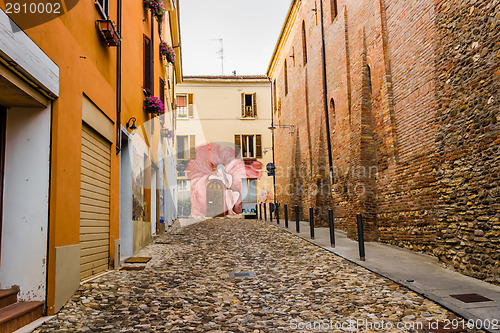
131	123
290	128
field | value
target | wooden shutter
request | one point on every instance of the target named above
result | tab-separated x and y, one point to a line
147	65
94	203
258	146
190	105
254	104
192	147
242	105
237	146
3	124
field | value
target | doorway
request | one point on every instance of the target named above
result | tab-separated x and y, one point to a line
215	199
184	198
126	197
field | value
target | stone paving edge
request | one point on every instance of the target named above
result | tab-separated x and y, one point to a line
456	310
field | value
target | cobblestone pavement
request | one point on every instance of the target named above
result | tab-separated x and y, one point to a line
186	287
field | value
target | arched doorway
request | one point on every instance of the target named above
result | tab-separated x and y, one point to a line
215	199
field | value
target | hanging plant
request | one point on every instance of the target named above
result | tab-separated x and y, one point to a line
153	104
157	8
166	133
172	134
168	52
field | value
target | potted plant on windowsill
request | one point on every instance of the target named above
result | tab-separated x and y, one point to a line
157	8
167	52
154	105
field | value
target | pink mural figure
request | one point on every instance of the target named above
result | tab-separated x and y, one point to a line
230	196
216	163
263	196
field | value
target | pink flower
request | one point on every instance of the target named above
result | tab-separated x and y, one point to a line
154	104
167	51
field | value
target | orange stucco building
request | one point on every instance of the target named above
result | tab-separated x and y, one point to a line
69	87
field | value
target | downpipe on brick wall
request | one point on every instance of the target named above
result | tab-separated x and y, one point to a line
119	78
325	96
272	133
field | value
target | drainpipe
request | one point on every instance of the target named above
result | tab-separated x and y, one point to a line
119	78
152	70
272	131
325	96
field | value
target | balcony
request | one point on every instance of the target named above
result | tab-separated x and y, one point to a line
248	112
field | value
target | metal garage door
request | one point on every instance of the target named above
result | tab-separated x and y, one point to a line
94	203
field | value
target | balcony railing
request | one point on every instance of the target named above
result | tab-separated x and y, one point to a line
249	112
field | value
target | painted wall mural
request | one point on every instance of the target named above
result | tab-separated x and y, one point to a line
139	205
216	180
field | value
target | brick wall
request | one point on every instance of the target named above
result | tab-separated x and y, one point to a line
405	126
407	186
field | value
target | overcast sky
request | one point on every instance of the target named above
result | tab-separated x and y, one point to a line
249	29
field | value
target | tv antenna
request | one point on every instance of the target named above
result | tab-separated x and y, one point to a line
221	52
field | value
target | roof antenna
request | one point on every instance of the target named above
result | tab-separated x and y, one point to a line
221	52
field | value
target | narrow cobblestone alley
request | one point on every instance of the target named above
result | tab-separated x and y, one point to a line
186	287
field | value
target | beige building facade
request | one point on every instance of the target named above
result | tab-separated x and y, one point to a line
223	144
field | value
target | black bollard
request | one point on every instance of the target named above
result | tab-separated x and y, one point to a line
260	211
361	237
311	221
297	224
286	215
271	211
265	213
332	227
278	213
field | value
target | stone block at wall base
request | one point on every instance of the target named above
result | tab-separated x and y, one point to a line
67	279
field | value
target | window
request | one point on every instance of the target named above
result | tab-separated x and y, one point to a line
103	7
162	91
186	147
286	79
248	105
369	78
182	147
185	106
148	65
248	146
332	113
249	195
182	110
333	9
304	43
